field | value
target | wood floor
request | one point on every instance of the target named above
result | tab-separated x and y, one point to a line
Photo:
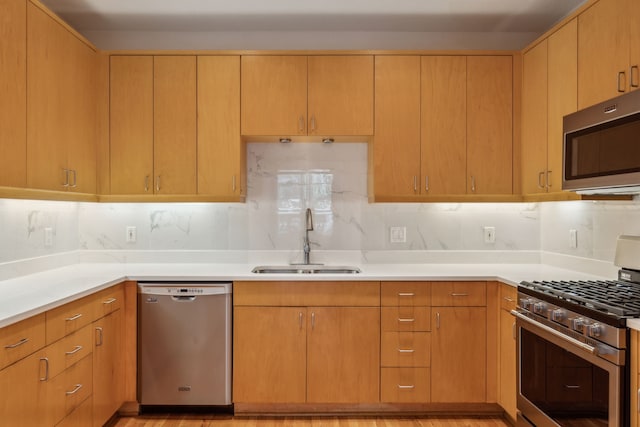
200	421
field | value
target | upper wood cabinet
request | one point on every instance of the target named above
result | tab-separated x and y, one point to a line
396	144
153	125
549	93
61	108
608	50
299	95
13	86
221	155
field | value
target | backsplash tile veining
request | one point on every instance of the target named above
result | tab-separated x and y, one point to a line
331	179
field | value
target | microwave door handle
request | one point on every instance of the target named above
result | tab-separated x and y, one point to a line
585	347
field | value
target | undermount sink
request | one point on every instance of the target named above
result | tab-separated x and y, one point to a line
304	269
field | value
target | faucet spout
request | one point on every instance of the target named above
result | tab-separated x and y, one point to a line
306	246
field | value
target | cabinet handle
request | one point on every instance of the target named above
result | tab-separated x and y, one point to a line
459	295
301	124
300	317
573	387
437	320
406	294
109	301
426	183
549	185
313	320
406	387
233	183
513	330
406	350
75	390
313	123
100	334
473	184
146	183
75	178
66	178
406	320
508	299
634	76
415	184
639	400
18	344
46	368
621	87
540	177
158	184
74	317
74	351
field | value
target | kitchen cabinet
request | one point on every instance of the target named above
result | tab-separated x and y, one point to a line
459	342
221	154
298	95
549	93
153	116
608	50
507	381
13	86
323	342
61	109
405	375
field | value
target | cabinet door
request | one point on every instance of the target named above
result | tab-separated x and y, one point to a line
489	125
396	146
343	355
534	120
340	95
458	354
562	95
634	37
174	124
274	95
220	153
13	86
131	124
603	51
269	355
49	118
444	118
108	387
507	397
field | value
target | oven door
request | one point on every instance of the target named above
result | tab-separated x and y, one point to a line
561	382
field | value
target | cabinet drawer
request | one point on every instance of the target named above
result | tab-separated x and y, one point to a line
68	318
405	385
301	294
69	350
21	339
108	301
459	294
406	318
77	384
82	416
406	349
405	294
508	297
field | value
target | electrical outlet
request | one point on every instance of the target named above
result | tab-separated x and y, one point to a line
398	234
131	234
48	237
573	239
489	234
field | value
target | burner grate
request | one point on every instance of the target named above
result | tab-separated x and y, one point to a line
609	296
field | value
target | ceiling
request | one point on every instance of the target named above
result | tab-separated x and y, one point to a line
305	24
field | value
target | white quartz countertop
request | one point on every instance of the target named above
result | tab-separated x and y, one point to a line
36	293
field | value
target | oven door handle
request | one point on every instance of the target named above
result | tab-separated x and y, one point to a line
586	347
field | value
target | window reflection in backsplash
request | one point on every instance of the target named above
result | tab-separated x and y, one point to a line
298	190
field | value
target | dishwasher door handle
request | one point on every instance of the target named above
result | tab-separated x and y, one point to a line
184	298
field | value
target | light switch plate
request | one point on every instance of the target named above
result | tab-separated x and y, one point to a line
489	234
573	239
398	234
131	234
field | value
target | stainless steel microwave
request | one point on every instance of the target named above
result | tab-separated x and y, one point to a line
601	151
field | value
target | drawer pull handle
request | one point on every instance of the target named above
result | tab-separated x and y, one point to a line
406	320
507	299
406	294
74	317
18	344
459	295
109	301
571	387
75	390
74	351
406	387
46	369
406	350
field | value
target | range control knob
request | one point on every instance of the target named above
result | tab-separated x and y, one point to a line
596	330
558	315
578	324
526	303
540	308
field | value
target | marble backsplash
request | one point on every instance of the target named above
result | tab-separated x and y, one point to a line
331	179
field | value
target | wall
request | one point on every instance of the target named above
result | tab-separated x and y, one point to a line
285	179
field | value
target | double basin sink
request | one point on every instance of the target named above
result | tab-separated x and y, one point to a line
305	269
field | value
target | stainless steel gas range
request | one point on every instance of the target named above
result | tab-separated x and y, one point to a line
572	350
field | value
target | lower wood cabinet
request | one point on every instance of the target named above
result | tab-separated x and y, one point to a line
507	345
108	363
306	353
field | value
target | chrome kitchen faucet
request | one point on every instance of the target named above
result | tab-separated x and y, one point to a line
306	247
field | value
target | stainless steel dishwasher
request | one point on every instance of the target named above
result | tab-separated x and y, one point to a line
184	344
